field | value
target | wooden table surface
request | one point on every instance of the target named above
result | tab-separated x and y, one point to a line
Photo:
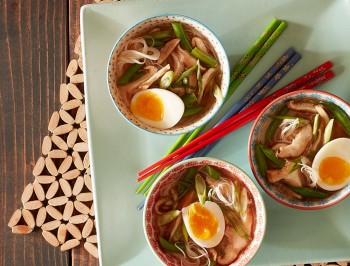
37	40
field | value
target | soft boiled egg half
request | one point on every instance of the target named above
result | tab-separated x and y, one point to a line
157	108
205	223
332	164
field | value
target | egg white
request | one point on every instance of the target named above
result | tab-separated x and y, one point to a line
217	212
336	148
172	104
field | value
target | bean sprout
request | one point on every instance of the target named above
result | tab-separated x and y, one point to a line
223	192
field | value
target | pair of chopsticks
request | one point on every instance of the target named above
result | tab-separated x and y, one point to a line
238	74
279	69
310	80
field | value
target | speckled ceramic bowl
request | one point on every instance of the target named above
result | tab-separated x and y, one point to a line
257	135
149	216
137	30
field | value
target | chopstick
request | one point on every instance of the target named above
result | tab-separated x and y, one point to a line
223	129
255	53
239	72
233	123
271	82
286	61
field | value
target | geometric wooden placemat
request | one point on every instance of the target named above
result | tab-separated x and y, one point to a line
60	201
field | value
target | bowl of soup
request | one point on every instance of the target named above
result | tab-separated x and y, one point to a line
204	211
299	149
168	74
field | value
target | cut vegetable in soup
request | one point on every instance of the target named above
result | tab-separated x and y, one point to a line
306	150
173	57
205	217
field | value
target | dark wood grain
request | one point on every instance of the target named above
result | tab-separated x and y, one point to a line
36	43
33	58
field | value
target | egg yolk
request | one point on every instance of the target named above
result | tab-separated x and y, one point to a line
202	222
149	106
334	170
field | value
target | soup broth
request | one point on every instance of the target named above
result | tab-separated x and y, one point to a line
205	216
175	57
301	134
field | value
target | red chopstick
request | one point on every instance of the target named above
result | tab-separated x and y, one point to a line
309	76
205	139
236	121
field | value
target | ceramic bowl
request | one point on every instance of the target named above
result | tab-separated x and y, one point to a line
257	135
171	175
123	105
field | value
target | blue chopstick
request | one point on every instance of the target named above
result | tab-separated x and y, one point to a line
280	74
260	84
279	70
249	97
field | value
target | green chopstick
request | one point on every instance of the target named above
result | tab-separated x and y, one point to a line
238	74
235	72
260	53
178	143
190	136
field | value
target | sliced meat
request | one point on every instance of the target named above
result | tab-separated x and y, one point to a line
298	145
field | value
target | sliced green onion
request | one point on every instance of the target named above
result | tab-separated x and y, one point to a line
181	34
168	217
212	172
186	182
137	75
185	74
234	219
297	163
316	125
129	73
154	43
244	203
261	161
201	188
236	202
218	93
192	110
184	233
271	155
308	192
212	262
199	81
162	34
172	247
328	132
205	58
275	123
166	79
189	99
339	114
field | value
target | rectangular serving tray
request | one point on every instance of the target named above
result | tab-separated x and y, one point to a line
318	29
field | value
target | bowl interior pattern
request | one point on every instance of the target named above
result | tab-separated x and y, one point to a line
138	30
258	132
150	216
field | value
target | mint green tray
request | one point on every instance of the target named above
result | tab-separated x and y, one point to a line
318	29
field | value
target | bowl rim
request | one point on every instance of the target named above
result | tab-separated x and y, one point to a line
261	219
225	69
257	176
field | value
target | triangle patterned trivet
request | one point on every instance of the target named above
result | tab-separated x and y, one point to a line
59	201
